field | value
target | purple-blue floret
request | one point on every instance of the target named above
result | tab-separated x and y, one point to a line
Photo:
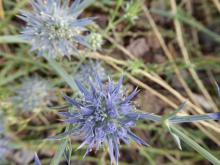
215	115
104	116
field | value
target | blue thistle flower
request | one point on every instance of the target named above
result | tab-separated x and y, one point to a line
90	69
53	27
104	116
34	93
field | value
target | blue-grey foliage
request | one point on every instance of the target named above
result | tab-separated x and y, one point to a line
33	93
103	116
173	118
53	28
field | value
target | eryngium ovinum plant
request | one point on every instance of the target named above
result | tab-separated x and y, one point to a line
34	93
54	29
90	69
103	117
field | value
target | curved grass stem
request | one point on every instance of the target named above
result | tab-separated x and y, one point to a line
187	60
206	154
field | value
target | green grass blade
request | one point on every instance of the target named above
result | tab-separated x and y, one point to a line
206	154
190	21
11	39
57	157
62	73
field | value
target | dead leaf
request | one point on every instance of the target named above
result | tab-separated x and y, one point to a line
138	47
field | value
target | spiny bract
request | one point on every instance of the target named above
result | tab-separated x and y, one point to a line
103	116
53	27
34	93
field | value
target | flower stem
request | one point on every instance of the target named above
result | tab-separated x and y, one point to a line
62	73
57	157
195	146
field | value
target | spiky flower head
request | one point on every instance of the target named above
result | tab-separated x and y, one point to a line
104	116
34	93
90	69
95	40
53	28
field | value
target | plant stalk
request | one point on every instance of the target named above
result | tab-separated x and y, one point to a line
206	154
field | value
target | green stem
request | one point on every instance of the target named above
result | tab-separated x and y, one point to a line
190	21
195	146
11	39
62	73
58	156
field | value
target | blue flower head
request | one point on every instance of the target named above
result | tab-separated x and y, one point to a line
53	28
90	69
34	93
104	116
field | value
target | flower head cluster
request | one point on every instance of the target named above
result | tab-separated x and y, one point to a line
95	40
103	116
53	27
34	93
90	69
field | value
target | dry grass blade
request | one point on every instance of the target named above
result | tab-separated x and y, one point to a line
217	4
168	54
185	54
1	10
